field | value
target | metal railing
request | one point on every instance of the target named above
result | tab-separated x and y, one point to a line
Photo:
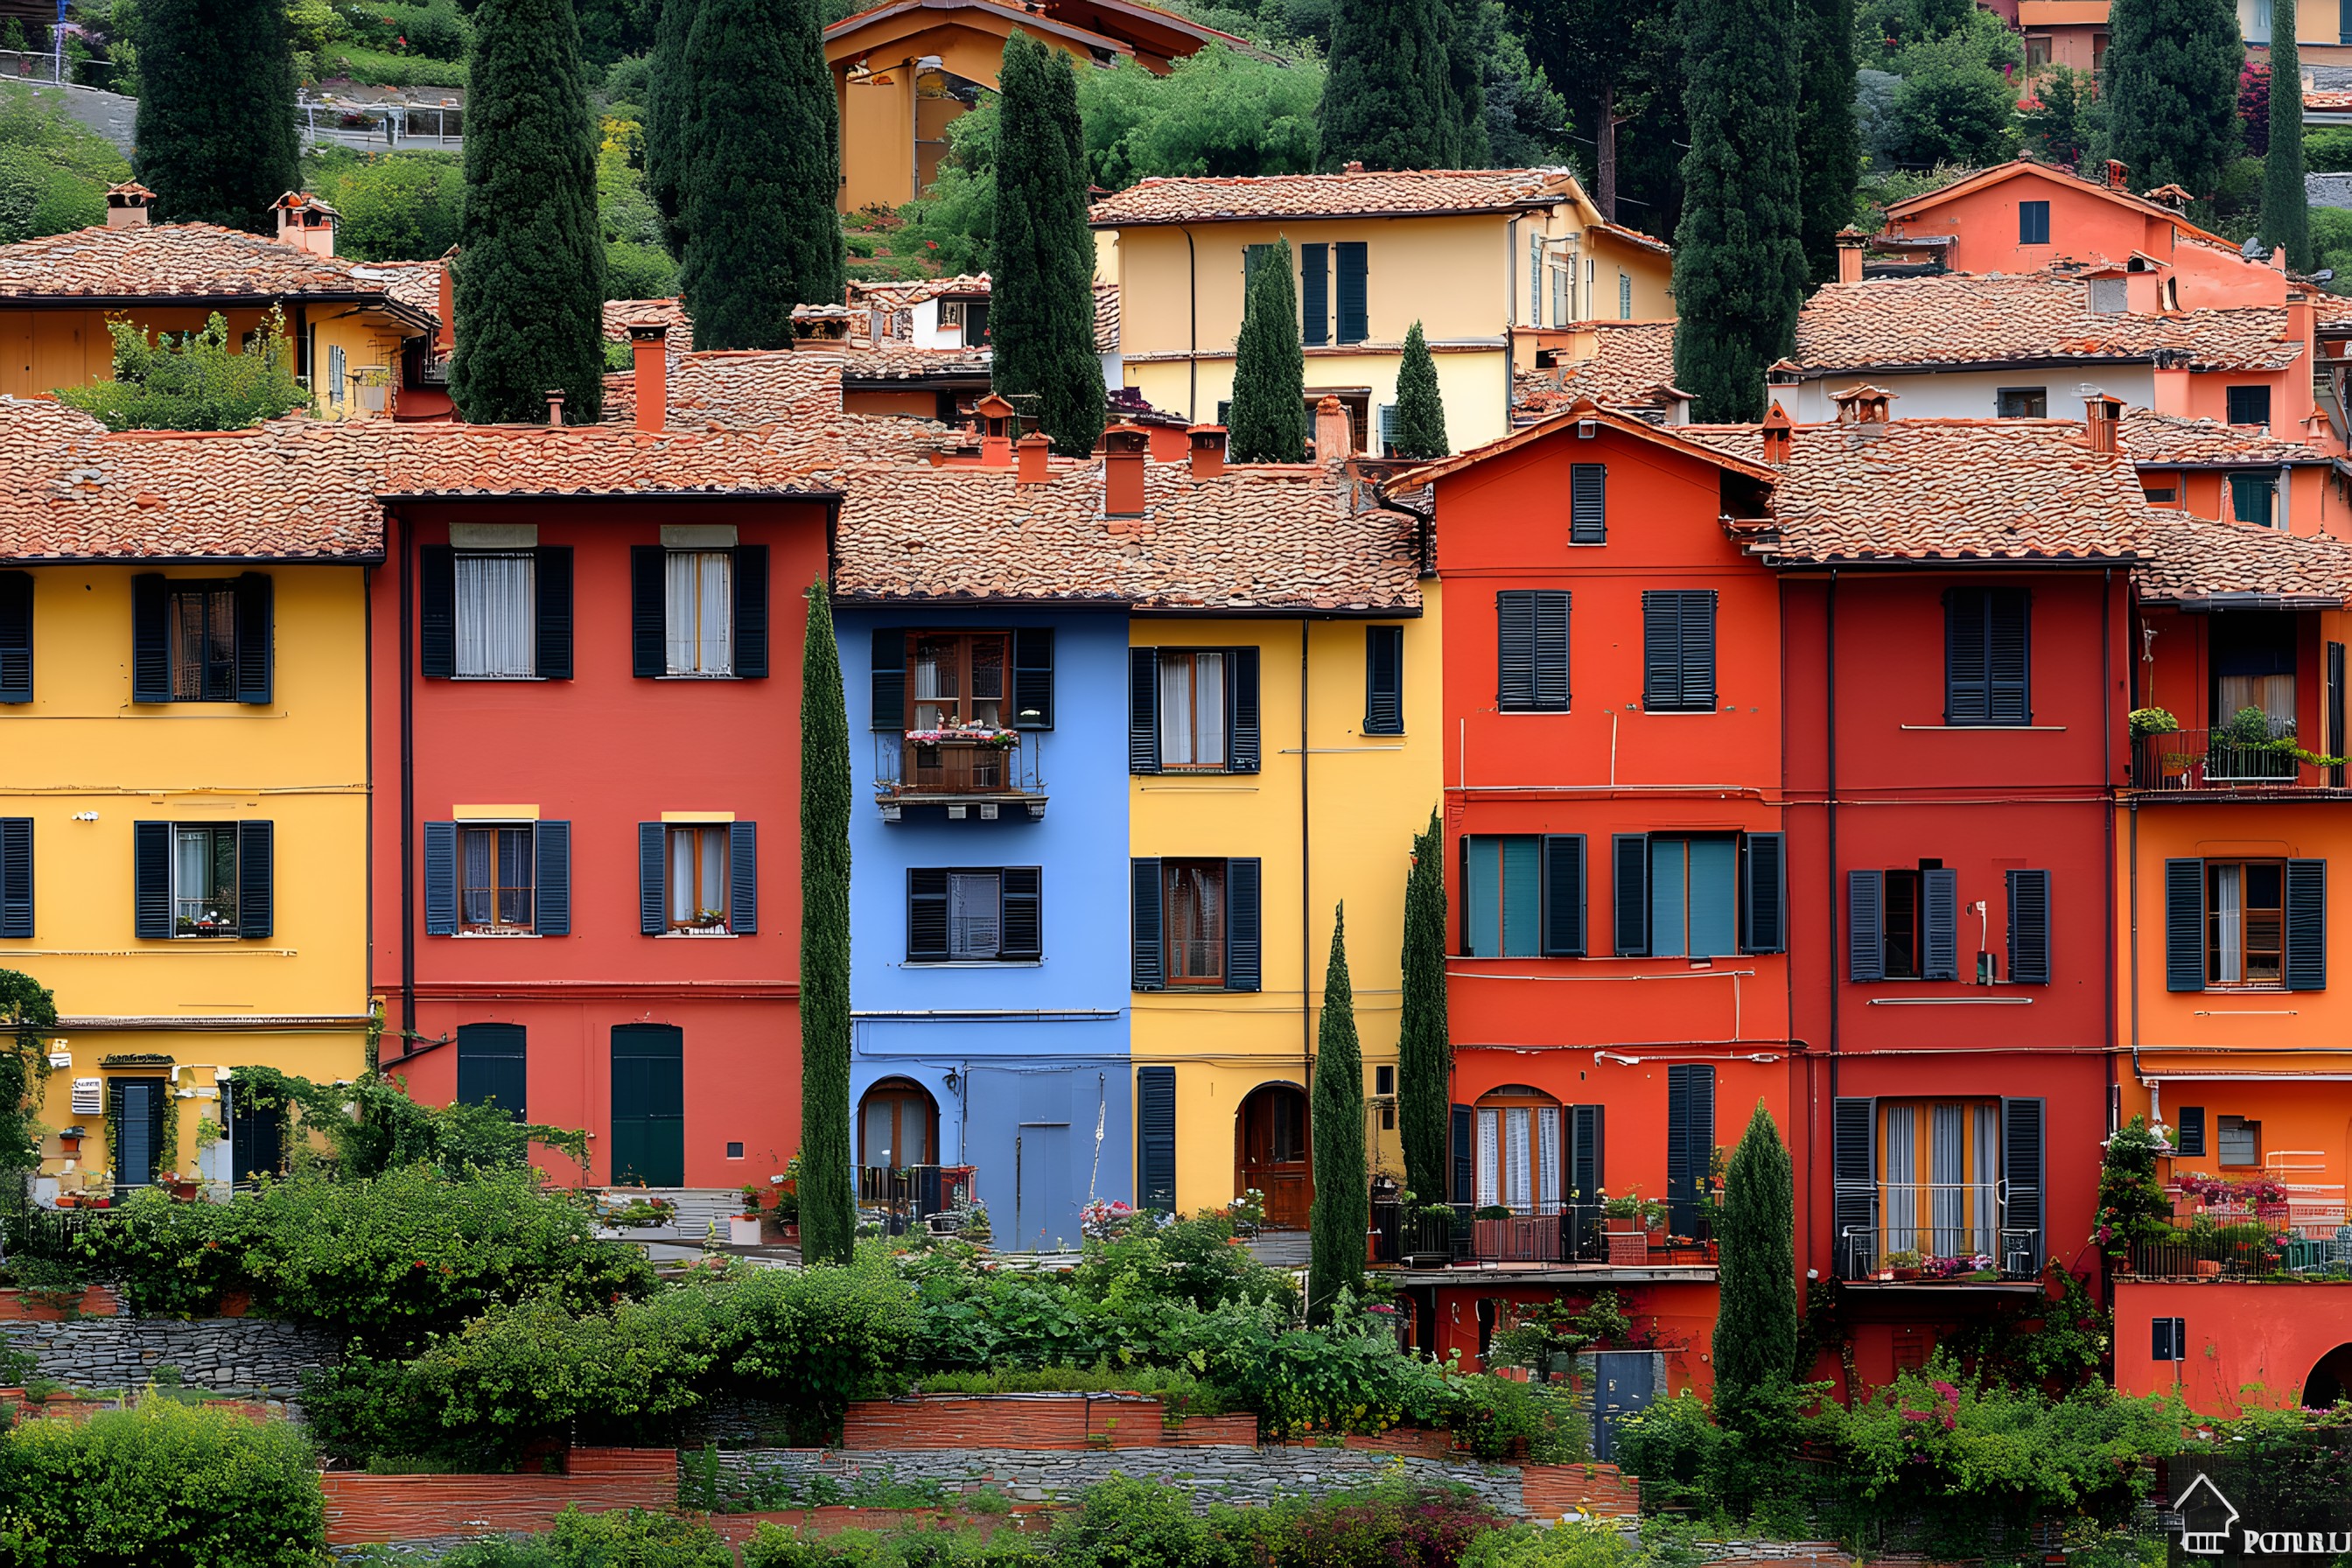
2247	1251
1438	1236
902	1196
906	769
1942	1227
2186	761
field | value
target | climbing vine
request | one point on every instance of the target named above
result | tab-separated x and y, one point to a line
25	1003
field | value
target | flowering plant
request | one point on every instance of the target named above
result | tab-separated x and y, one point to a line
966	734
1100	1221
1951	1267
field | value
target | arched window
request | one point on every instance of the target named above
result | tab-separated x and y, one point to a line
1520	1151
898	1126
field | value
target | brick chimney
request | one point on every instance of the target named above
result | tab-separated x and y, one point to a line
1124	446
1208	450
2116	174
2101	416
1850	241
555	405
126	204
996	422
1335	439
1029	459
305	223
1864	405
649	369
1778	428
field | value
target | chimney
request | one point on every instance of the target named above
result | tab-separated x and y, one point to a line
555	405
1850	241
1352	167
445	340
126	204
1863	404
1777	430
2116	174
649	369
305	223
2101	415
996	423
1335	439
1124	445
1029	459
1208	450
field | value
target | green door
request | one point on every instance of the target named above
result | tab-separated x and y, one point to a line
648	1105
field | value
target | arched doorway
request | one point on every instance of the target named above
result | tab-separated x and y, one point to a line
2331	1381
898	1126
1271	1153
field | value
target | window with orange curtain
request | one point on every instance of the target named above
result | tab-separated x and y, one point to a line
1939	1177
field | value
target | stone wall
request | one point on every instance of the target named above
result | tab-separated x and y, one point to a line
242	1354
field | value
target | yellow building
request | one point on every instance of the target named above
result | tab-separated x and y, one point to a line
1497	266
363	335
184	812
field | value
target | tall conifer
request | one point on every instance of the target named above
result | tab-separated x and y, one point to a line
1829	144
1424	1055
1756	1323
1740	259
2286	207
217	133
1418	433
669	99
761	138
1268	421
1389	100
1342	1210
530	267
1041	315
2171	91
828	1205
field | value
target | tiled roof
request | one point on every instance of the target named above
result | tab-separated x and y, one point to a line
896	361
1978	178
1106	318
1959	319
900	293
747	387
1632	360
1633	237
1402	479
1942	490
416	284
2192	561
1373	193
2331	310
2172	440
1283	538
620	315
176	260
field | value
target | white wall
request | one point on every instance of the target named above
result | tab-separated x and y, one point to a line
1970	394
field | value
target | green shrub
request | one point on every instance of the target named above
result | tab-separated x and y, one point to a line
2328	150
1123	1523
1586	1543
636	271
436	29
192	381
395	206
379	67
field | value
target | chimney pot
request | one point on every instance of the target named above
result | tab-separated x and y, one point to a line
1030	453
126	204
1208	450
996	424
305	223
555	405
2116	174
1352	167
649	370
1335	438
1124	445
1849	242
2101	415
445	340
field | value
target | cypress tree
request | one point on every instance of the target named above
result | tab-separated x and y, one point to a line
1740	259
1268	421
1041	315
2171	91
1418	433
669	101
1756	1323
1424	1055
1342	1211
762	135
828	1206
1829	144
217	133
2286	207
1389	100
530	271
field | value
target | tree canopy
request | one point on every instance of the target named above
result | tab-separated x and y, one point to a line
216	133
2171	91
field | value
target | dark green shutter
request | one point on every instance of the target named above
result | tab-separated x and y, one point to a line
1588	503
440	879
1150	958
1355	305
648	611
16	637
1563	895
1661	668
750	612
1155	1124
1143	710
1629	856
150	879
550	575
436	611
1383	680
16	878
2184	925
2008	625
1242	713
151	650
1551	651
1853	1183
1764	893
1244	933
1020	912
2307	925
256	879
653	871
1940	920
550	844
2189	1141
648	1142
1033	678
1690	1135
888	676
1866	926
2028	928
255	635
492	1068
1462	1143
926	915
1588	1160
1315	293
1964	656
1515	650
742	878
2021	1142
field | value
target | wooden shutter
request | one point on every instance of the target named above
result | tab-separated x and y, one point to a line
436	611
1853	1181
653	880
1690	1128
254	629
1662	651
550	573
1355	310
1964	657
1242	713
2008	625
1515	650
2184	925
1461	1142
2021	1175
1155	1125
1383	680
150	651
1563	895
16	878
1588	503
1315	293
1865	929
1764	893
2307	925
16	637
750	612
1243	943
1033	678
492	1068
256	879
150	879
648	610
440	879
1150	958
927	915
2190	1136
2028	928
1629	854
1551	651
1588	1164
551	846
1020	912
1143	710
1940	895
888	676
742	878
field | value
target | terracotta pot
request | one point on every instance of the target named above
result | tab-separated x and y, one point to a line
68	1145
1906	1273
1629	1225
2207	1269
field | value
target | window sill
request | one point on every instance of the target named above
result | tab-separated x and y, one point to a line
691	675
495	935
495	680
2047	728
695	936
1687	712
973	963
1532	712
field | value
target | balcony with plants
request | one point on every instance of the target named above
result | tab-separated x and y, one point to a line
2236	701
2254	753
2196	1226
1624	1232
974	715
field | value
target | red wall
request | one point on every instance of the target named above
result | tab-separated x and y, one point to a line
605	751
2250	1346
1676	1317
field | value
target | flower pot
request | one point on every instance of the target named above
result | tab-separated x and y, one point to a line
70	1144
743	1230
1625	1225
184	1192
234	1303
1906	1274
792	1233
2207	1269
1628	1248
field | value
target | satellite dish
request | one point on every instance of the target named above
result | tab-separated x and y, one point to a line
2252	248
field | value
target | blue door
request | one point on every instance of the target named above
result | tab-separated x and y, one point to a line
1625	1382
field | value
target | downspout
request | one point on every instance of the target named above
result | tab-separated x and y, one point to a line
2107	779
367	723
1510	315
1831	805
1306	888
1193	354
407	780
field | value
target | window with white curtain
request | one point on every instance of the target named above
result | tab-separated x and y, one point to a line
1192	709
203	880
699	612
2245	923
497	615
698	877
1518	1156
1939	1169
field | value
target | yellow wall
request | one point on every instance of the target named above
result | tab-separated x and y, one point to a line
300	762
41	350
1366	797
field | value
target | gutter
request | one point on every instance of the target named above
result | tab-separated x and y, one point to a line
374	558
394	496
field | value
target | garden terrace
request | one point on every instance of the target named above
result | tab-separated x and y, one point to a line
1573	1239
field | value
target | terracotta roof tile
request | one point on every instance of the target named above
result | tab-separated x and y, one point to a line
620	315
1631	362
2193	561
2174	441
1372	193
416	284
1106	318
900	293
176	260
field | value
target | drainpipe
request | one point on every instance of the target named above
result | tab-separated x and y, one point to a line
1193	354
2107	760
407	781
1836	1000
1306	888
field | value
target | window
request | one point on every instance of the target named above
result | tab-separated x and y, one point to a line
2110	296
1355	309
2189	1138
698	612
1384	1080
1192	709
203	880
201	626
2033	222
1523	895
1534	277
2238	1142
493	1067
335	363
1314	294
1558	270
16	637
1624	298
898	1126
2248	405
1520	1151
1986	652
2253	498
1383	680
974	322
2021	403
699	606
1678	651
1531	652
2029	927
496	867
698	877
1903	924
2245	924
1691	1148
1940	1177
497	615
956	681
2253	923
983	915
1196	924
1694	897
194	640
1588	503
501	614
2163	495
1253	257
2254	698
2037	52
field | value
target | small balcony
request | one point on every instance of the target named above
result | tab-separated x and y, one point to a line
1936	1232
1559	1234
2245	758
986	774
907	1196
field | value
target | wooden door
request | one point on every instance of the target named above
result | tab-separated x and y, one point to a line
648	1105
1273	1156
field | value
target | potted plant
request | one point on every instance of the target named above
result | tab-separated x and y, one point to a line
70	1142
2147	722
182	1188
788	1199
743	1229
1904	1263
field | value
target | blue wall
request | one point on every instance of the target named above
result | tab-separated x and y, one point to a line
1023	1060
